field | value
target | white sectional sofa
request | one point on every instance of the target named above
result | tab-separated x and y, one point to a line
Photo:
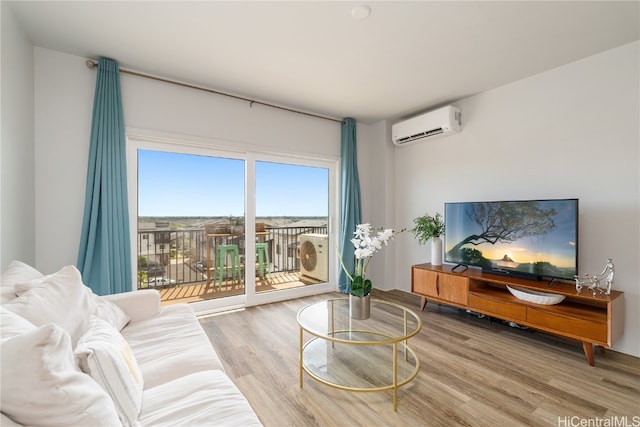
72	358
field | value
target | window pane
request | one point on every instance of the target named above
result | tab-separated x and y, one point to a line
178	194
292	202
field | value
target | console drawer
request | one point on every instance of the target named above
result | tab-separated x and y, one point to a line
504	309
582	329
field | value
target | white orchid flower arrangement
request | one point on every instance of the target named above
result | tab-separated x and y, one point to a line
366	245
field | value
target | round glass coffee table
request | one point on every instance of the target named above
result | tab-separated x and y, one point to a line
358	355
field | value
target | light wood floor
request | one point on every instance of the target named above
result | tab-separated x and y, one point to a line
474	372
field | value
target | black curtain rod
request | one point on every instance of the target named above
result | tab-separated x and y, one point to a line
93	64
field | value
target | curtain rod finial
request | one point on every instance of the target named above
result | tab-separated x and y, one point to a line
91	63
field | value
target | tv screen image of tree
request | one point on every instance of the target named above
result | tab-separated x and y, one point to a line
530	238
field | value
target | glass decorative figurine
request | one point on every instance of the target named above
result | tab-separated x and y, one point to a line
599	282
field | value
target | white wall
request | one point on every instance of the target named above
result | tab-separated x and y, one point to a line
64	102
17	233
63	107
569	132
376	158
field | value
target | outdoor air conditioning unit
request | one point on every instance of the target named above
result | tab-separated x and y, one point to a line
314	257
434	124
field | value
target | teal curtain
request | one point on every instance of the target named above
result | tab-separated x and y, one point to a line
351	214
104	256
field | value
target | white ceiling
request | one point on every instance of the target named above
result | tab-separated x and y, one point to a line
405	58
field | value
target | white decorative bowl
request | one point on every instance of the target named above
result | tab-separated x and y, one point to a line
535	296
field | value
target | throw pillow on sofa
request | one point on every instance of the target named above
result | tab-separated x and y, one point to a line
17	272
60	298
109	312
41	384
103	353
72	277
12	324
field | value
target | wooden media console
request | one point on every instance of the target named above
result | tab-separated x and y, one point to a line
593	320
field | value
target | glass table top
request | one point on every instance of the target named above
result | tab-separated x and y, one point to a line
389	322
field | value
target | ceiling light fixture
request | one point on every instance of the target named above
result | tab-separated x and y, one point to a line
360	12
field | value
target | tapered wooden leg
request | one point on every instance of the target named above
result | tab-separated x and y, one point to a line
588	352
423	303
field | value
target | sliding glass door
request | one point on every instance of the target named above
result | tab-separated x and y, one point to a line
222	229
292	222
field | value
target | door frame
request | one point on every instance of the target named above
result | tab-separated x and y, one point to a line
150	140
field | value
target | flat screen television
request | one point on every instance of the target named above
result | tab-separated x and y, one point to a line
534	239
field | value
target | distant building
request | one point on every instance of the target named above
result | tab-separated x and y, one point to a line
154	242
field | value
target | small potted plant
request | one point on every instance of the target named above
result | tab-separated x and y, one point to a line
367	241
427	228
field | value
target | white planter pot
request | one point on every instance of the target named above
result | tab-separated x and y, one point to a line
436	251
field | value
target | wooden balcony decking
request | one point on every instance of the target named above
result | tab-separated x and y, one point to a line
199	291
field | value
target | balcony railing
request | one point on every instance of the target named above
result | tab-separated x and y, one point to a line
176	257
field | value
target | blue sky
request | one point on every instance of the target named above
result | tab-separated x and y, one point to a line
171	184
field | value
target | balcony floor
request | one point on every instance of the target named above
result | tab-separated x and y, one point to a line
199	291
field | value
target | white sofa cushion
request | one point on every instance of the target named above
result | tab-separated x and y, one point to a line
103	353
171	345
206	398
5	421
41	384
12	324
137	305
17	272
60	298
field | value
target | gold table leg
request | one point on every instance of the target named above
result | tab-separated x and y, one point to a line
395	376
301	352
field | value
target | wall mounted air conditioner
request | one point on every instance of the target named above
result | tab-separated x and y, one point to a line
434	124
314	257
